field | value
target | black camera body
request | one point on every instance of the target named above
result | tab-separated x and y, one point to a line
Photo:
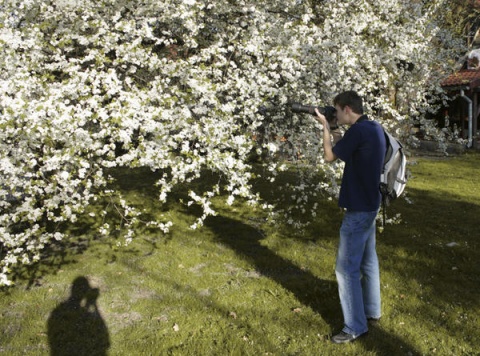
329	112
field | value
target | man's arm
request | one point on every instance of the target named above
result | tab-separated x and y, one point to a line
328	154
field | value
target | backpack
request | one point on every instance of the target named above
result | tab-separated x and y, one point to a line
394	175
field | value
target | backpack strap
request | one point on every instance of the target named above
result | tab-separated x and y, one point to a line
384	209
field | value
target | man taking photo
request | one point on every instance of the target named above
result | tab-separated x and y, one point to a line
362	148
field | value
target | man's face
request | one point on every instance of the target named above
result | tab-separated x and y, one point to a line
341	115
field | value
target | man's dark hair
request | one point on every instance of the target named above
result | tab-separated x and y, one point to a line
350	98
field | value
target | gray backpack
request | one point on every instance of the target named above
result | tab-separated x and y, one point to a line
394	174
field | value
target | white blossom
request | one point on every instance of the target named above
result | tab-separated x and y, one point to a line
177	86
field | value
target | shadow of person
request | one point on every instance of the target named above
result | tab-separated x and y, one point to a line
319	294
382	342
75	326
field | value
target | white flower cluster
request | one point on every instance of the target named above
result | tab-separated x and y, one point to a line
177	86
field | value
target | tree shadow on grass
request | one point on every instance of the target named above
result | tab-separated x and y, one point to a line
54	256
319	294
436	249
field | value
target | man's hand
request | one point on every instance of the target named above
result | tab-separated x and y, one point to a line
328	154
322	119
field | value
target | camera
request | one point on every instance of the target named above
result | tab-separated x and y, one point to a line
328	111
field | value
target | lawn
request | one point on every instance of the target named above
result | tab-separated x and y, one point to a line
241	286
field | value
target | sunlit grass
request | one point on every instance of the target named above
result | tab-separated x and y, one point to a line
239	286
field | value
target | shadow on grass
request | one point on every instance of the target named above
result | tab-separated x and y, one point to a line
441	241
55	255
80	235
319	294
381	342
75	327
436	250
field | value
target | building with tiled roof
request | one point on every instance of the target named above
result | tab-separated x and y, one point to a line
464	85
463	79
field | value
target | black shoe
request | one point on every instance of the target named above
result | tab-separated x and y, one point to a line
343	338
373	320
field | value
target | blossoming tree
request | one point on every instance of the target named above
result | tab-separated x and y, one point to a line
181	86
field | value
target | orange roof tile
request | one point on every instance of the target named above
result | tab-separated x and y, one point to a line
464	77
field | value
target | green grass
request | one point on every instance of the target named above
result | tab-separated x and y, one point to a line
239	286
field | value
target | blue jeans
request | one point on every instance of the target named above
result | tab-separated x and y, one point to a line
357	271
